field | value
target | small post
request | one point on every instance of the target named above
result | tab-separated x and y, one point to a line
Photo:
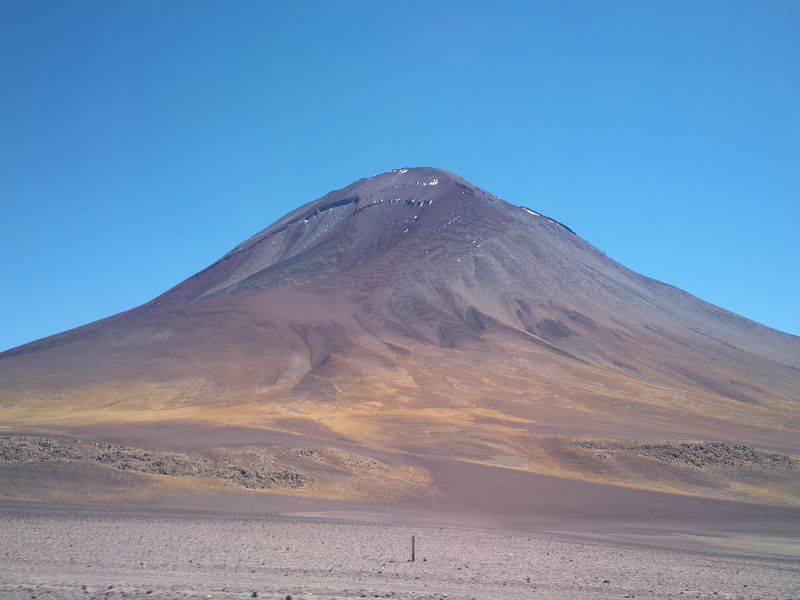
412	549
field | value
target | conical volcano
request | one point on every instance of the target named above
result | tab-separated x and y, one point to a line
413	314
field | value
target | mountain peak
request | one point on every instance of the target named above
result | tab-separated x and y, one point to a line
406	182
414	175
411	212
412	186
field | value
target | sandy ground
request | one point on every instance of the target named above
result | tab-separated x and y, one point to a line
91	554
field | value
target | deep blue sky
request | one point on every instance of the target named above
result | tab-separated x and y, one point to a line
140	141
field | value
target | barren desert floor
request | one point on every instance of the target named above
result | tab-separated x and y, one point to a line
53	553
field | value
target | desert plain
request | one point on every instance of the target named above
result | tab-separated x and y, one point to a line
53	553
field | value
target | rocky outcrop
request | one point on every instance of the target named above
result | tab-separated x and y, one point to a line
253	471
697	455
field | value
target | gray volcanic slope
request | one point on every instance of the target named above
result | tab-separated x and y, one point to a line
414	313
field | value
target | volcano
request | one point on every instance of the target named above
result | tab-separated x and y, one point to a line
416	320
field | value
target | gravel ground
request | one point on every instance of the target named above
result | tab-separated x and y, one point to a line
93	555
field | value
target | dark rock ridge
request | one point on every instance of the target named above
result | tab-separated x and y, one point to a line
259	472
699	455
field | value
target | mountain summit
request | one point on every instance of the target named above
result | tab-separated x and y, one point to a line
413	312
398	211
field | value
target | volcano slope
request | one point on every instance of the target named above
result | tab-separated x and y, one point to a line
411	340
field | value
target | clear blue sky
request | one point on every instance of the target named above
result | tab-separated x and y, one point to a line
140	141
